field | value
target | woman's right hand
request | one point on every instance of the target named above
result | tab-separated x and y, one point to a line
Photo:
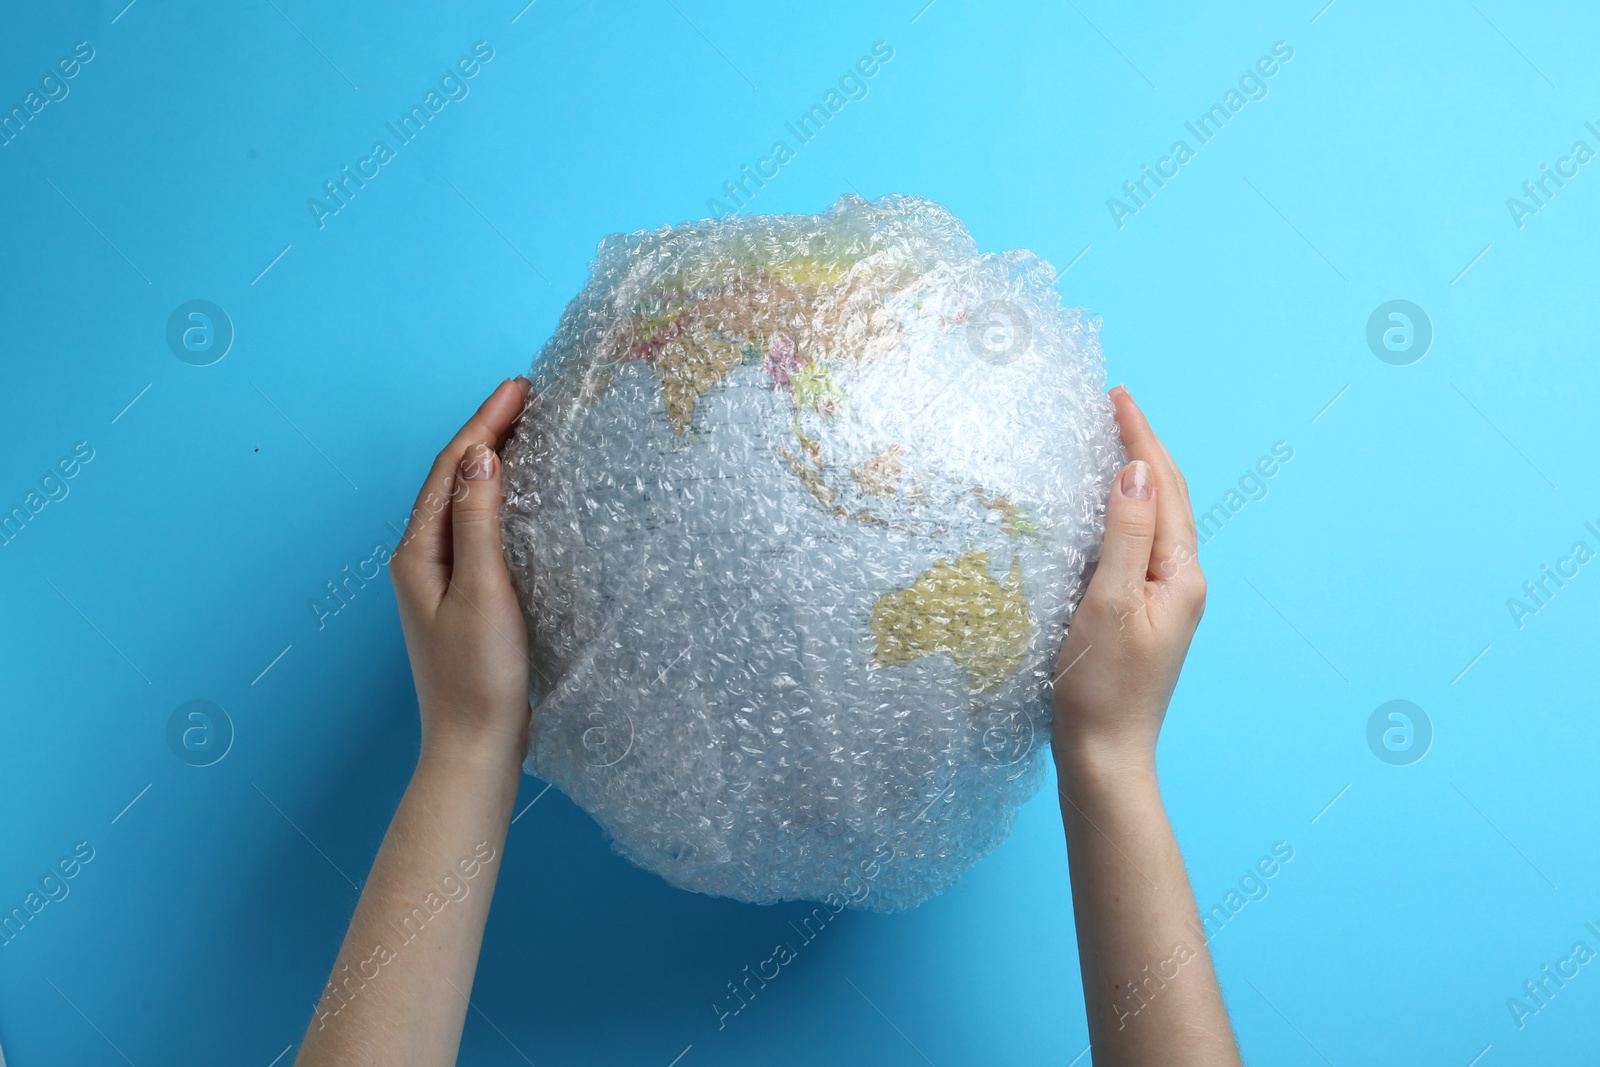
1127	640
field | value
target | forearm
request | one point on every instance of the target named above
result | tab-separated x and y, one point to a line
399	986
1148	982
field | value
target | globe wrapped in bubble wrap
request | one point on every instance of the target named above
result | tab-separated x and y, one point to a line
798	512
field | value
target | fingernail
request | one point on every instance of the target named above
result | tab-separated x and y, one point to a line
1136	480
478	463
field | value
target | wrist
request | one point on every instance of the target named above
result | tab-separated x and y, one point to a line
1086	761
474	750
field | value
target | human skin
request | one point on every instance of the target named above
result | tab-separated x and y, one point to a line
465	636
1149	987
467	643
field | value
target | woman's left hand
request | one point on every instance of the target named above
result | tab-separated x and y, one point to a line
463	626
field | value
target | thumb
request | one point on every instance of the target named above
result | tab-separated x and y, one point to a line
475	520
1130	532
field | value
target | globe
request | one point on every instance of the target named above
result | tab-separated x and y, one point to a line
798	512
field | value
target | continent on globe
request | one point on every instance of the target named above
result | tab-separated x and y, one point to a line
959	610
694	336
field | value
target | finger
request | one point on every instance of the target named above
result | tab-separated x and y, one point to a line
425	554
478	567
1183	558
1119	579
1177	472
1174	520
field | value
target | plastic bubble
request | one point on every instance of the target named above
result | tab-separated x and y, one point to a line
798	513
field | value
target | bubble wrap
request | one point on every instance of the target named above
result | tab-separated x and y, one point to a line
798	512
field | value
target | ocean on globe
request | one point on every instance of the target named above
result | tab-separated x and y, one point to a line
798	512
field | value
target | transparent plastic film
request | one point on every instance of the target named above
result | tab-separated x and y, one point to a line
798	513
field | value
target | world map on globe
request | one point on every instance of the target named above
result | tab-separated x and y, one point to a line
798	512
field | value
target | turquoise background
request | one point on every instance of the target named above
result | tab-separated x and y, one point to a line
1378	566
